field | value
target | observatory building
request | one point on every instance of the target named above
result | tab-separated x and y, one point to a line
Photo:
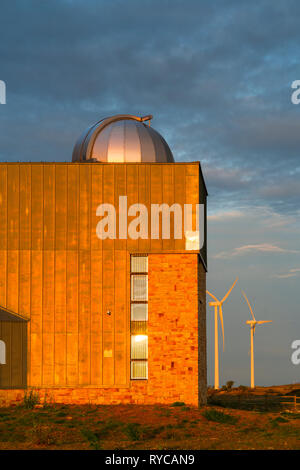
103	272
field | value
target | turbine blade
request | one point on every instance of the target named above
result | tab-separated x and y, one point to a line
264	321
212	295
225	296
222	324
248	303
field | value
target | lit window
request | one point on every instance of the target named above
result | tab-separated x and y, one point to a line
139	317
139	347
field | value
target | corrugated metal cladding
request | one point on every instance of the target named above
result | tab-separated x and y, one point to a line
13	372
58	274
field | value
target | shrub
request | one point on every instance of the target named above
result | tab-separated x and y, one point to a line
61	414
31	399
42	435
91	438
48	401
219	417
133	431
178	403
279	419
229	384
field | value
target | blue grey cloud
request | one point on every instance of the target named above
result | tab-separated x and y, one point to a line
216	76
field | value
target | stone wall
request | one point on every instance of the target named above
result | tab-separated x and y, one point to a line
177	342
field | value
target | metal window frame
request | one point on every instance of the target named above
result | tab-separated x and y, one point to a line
134	273
138	301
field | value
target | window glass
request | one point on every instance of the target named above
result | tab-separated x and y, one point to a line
139	312
139	287
139	264
139	369
139	317
139	347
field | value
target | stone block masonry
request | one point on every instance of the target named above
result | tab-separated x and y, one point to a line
177	343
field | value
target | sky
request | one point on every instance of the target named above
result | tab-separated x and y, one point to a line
217	78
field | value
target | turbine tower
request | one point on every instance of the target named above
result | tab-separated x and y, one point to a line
253	324
217	304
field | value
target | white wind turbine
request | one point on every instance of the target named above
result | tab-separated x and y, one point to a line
253	324
217	304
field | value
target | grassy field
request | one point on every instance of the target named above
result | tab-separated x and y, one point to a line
178	426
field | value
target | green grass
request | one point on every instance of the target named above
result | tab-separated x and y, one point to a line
219	417
264	404
92	438
291	415
145	427
133	431
279	419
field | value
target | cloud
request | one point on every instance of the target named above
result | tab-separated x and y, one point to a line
216	77
245	249
262	216
226	215
295	272
227	178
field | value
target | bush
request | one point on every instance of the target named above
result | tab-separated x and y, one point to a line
178	403
229	384
31	399
279	419
91	438
133	431
219	417
42	435
48	401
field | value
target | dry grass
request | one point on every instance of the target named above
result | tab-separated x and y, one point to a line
146	427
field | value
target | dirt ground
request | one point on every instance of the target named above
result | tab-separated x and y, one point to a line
54	426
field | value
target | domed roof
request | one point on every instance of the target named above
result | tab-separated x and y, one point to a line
122	138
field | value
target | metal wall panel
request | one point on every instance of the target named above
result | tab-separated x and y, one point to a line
55	271
144	196
48	316
14	335
60	318
72	317
25	203
96	317
156	198
84	344
3	207
37	207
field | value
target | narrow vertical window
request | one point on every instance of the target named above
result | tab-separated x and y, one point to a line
2	352
139	316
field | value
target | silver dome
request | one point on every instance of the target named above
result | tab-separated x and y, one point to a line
122	138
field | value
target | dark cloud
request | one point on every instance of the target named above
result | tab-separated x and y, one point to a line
215	75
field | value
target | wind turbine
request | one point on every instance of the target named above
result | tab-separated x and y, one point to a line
253	324
217	304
